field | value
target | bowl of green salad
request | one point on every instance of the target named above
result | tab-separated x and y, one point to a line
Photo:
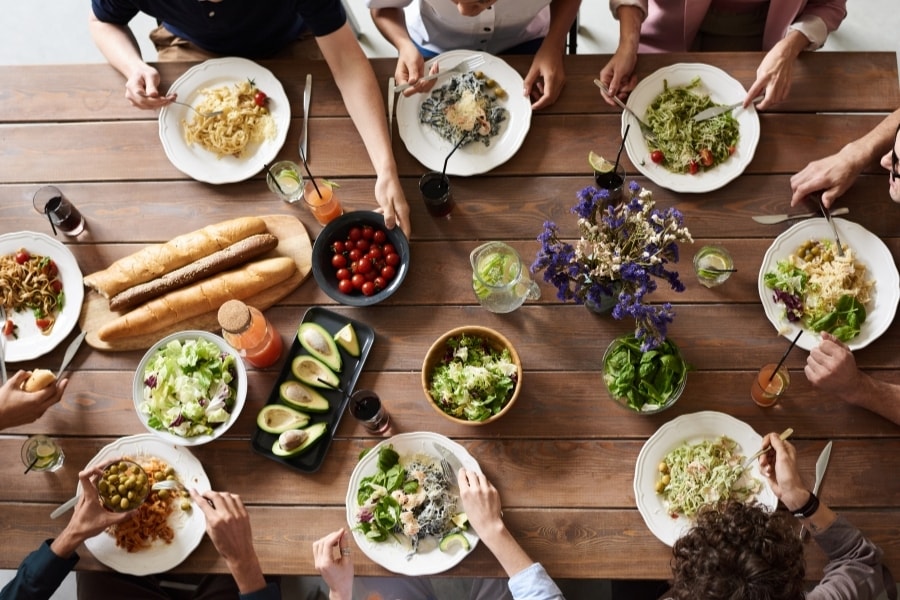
190	387
472	375
644	382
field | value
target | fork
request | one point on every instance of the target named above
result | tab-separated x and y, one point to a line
827	214
461	67
645	129
202	114
2	346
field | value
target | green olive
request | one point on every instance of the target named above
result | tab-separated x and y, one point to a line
185	505
660	486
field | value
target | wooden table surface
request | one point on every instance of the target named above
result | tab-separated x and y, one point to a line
564	458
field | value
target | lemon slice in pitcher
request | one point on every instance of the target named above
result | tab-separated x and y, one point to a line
599	164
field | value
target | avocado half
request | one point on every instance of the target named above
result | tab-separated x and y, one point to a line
320	344
314	434
277	418
314	372
302	397
347	339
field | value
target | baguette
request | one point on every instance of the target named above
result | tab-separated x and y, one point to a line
232	256
158	259
199	298
38	380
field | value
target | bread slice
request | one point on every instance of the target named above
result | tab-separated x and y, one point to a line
39	379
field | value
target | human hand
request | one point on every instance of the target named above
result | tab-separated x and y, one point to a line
779	466
832	176
481	502
545	79
831	366
142	88
392	203
228	526
334	562
18	407
774	73
411	68
618	75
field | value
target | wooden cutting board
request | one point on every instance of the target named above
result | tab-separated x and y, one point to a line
293	242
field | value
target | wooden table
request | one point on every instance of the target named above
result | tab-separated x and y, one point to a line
564	458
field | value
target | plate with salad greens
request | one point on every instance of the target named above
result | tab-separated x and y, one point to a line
717	440
404	514
190	387
690	156
804	285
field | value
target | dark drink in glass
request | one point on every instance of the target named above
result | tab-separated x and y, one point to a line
63	215
365	405
612	181
435	188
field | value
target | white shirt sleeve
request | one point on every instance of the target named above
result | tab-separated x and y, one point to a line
534	583
813	28
615	4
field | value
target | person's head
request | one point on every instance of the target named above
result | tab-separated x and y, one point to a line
739	552
473	8
890	162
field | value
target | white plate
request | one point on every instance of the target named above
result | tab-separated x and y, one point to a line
194	160
722	89
31	343
868	249
431	149
392	554
137	388
189	526
693	428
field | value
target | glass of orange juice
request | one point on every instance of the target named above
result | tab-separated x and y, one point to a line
769	385
322	201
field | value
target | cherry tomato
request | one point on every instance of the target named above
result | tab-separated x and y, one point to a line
355	234
260	98
368	288
50	269
379	237
706	157
657	156
345	286
364	266
9	328
354	254
338	247
375	253
358	280
388	249
693	167
43	324
22	257
343	274
392	259
380	283
363	245
56	286
731	150
349	245
338	261
388	272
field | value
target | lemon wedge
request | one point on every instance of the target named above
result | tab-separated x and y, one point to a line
599	164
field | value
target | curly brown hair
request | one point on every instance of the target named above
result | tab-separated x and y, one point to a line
739	552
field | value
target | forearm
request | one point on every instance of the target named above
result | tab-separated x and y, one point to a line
247	574
872	146
630	19
117	44
562	15
878	396
505	549
66	543
391	22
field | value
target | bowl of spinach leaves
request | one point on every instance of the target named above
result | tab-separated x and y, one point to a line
644	382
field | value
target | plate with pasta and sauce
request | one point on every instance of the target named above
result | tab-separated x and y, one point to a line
41	291
485	105
235	144
163	531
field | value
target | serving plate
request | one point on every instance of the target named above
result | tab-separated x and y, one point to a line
868	249
189	526
351	367
430	149
722	88
201	164
31	343
392	554
692	428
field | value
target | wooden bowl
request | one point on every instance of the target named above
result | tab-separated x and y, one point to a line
437	353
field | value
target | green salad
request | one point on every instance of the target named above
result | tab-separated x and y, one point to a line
188	387
687	146
645	381
473	381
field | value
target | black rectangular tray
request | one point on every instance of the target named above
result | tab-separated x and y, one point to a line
312	459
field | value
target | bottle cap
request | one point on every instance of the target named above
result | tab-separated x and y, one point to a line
234	316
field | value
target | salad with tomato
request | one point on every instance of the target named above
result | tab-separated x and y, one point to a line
30	284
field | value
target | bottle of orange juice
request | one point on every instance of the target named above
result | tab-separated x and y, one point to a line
249	332
322	201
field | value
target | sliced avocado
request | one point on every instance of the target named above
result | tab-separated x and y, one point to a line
320	344
314	372
303	397
313	434
277	418
449	540
461	520
346	337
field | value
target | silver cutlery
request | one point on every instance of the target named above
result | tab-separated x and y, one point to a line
391	96
450	465
70	353
772	219
827	213
2	346
202	114
307	95
461	67
784	435
821	465
168	484
715	111
645	129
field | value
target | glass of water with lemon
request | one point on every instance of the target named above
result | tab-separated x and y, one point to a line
285	181
41	453
608	176
713	265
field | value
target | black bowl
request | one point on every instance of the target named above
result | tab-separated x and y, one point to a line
325	274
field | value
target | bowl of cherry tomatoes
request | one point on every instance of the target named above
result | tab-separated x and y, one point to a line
358	261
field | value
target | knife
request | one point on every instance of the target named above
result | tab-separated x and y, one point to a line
715	111
392	93
70	352
772	219
821	465
307	94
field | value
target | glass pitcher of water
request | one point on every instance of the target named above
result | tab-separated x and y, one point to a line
500	279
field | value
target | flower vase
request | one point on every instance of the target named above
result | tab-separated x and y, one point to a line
604	302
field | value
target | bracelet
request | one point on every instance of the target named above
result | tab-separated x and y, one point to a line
808	509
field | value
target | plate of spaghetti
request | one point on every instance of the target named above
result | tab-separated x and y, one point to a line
41	290
167	527
234	144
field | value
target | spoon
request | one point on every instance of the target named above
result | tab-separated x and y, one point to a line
784	435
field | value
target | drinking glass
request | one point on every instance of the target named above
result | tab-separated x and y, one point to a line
41	453
435	188
322	201
285	181
63	215
366	406
767	388
613	181
713	265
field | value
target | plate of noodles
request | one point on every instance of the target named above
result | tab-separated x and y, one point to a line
34	281
676	111
875	271
232	146
431	146
715	440
161	533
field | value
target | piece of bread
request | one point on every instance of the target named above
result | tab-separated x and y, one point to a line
158	259
39	379
236	254
199	298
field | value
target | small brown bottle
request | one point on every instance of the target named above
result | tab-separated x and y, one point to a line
250	333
